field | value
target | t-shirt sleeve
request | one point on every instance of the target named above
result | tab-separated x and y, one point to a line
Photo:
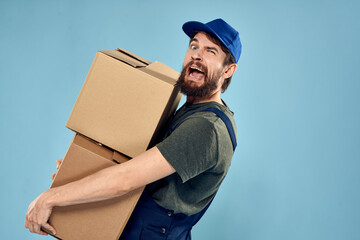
191	148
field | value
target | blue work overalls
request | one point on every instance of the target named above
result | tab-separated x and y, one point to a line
149	221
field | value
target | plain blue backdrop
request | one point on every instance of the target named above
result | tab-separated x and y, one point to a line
296	172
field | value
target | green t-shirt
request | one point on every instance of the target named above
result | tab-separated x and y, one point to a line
200	150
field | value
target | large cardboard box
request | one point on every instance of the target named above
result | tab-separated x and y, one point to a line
125	101
92	221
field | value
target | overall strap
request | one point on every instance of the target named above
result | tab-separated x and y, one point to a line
227	122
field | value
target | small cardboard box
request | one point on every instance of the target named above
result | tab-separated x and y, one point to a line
125	101
92	221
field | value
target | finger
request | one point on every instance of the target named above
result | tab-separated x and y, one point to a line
31	227
49	228
58	163
42	232
27	219
39	231
53	175
35	228
26	223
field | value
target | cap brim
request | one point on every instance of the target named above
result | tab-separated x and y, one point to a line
190	28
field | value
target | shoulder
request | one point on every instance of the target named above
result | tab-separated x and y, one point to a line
198	128
201	120
214	117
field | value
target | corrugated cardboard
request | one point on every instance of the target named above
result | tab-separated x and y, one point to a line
103	220
125	101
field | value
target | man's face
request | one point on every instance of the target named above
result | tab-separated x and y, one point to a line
203	67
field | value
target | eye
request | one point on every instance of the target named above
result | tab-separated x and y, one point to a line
193	47
212	52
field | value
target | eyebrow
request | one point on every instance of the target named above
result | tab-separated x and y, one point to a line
210	48
193	40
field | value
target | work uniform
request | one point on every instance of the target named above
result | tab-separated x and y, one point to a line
199	145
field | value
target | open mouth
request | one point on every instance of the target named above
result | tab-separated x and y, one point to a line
196	73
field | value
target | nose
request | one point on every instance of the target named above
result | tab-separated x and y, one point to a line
196	55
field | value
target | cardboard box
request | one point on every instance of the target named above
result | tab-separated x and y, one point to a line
92	221
125	101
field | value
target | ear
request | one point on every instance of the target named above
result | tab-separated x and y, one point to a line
229	70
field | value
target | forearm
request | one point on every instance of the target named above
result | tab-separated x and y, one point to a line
96	187
112	182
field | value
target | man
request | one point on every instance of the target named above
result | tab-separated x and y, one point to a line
185	170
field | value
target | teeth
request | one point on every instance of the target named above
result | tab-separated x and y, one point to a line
195	68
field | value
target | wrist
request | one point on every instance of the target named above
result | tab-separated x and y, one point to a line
50	197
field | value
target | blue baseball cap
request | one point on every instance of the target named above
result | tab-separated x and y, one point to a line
222	30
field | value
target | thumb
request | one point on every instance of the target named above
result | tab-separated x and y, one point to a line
48	228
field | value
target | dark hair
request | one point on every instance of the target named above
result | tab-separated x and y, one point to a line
229	59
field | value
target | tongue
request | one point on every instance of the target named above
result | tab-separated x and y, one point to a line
197	75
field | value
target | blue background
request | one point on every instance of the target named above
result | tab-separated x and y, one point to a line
295	173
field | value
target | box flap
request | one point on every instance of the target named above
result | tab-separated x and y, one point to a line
163	69
119	158
93	146
127	57
147	62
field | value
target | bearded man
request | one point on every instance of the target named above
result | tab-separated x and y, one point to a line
184	171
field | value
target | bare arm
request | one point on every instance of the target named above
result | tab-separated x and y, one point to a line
105	184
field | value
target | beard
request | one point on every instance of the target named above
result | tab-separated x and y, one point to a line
210	82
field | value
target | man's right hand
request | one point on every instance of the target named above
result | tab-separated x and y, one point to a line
58	163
